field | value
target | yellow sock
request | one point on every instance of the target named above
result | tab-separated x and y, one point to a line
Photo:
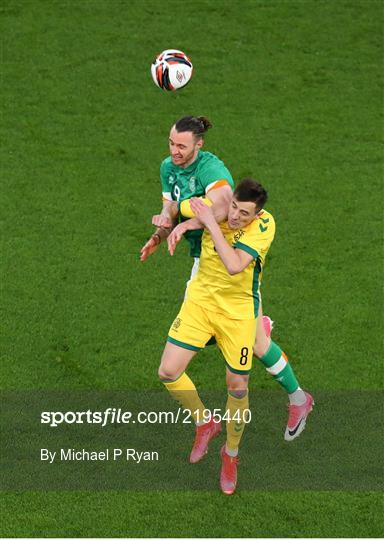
235	426
184	391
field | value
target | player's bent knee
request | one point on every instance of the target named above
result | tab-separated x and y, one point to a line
167	374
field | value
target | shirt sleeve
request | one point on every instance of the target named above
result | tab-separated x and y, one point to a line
186	210
216	175
165	185
257	239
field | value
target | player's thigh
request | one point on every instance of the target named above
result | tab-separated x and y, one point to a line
189	332
236	339
262	342
174	361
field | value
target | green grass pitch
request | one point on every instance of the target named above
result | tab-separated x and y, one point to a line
294	90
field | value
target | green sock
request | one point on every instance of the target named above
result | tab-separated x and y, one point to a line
276	363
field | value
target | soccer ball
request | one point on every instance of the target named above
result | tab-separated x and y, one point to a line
171	70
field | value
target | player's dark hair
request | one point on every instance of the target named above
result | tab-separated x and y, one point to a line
251	191
197	124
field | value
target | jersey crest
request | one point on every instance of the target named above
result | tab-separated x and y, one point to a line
192	184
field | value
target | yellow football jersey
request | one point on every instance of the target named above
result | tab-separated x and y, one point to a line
235	296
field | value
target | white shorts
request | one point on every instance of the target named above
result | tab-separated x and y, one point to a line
194	270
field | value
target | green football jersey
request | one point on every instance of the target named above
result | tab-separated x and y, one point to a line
196	180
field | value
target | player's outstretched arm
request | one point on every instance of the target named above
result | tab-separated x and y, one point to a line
153	243
177	233
221	199
190	224
167	216
149	247
219	207
164	222
235	261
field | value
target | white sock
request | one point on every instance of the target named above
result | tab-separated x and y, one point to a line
298	397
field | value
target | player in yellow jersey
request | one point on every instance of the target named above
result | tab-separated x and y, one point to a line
222	302
189	172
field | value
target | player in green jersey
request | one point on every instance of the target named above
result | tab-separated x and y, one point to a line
190	172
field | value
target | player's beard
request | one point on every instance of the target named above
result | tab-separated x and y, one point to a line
185	160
